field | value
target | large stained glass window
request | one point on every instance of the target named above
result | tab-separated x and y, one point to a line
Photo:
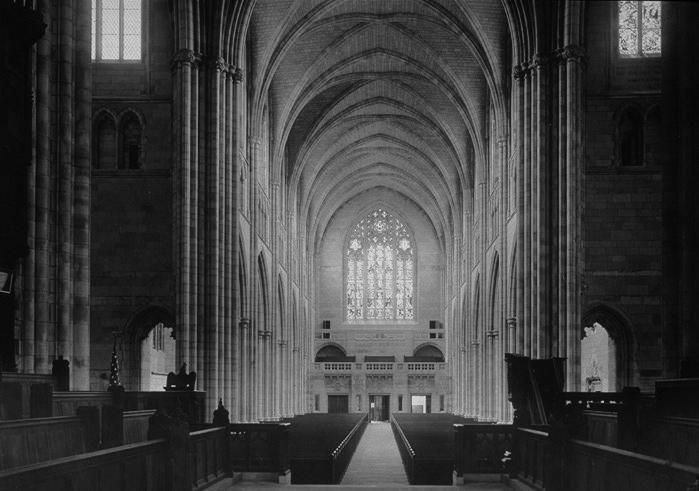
380	268
116	30
639	29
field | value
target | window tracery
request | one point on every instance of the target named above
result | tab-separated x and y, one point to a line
639	28
380	269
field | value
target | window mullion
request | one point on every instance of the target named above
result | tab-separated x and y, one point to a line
98	30
639	26
121	30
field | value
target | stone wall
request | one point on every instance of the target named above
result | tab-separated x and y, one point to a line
622	218
131	225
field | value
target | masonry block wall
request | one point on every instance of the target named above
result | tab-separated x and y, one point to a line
131	224
623	202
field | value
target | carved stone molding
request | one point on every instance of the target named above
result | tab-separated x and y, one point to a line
492	334
183	56
518	73
571	52
244	323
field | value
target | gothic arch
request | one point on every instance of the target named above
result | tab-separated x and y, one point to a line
620	331
493	292
134	332
281	298
104	140
475	311
262	310
629	136
131	138
242	282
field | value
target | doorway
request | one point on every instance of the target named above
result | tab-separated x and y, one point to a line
338	404
379	406
421	403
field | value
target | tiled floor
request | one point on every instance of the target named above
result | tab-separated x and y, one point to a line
376	460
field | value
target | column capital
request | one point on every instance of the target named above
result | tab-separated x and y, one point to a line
264	334
539	60
236	73
571	52
511	322
492	333
244	323
518	72
183	57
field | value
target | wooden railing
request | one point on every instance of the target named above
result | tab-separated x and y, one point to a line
135	425
27	441
67	403
407	453
259	447
209	459
599	467
141	466
480	448
530	457
341	456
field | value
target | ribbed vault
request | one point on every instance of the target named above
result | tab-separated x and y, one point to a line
365	96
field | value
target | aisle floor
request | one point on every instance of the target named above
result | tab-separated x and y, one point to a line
376	460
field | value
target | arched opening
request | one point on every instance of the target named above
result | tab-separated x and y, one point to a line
630	138
605	351
149	349
428	353
104	142
330	352
131	136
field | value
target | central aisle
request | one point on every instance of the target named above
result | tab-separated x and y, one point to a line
376	460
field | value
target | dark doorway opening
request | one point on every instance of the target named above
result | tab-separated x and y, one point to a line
338	404
379	407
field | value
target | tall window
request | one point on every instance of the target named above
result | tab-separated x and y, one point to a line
639	28
116	30
380	268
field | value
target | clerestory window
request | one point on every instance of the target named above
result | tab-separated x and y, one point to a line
380	269
639	28
116	30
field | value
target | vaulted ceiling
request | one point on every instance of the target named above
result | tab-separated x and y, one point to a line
373	94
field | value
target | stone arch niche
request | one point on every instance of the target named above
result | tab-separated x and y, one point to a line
148	349
606	351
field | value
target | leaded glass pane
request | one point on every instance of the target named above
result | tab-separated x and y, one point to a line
628	15
651	15
639	28
110	47
379	269
94	29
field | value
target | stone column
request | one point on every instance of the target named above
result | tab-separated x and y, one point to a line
64	190
245	381
42	326
81	200
574	56
182	112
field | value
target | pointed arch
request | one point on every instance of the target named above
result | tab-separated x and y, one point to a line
620	332
104	140
135	332
475	309
281	299
629	137
493	293
379	251
242	281
130	140
262	310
